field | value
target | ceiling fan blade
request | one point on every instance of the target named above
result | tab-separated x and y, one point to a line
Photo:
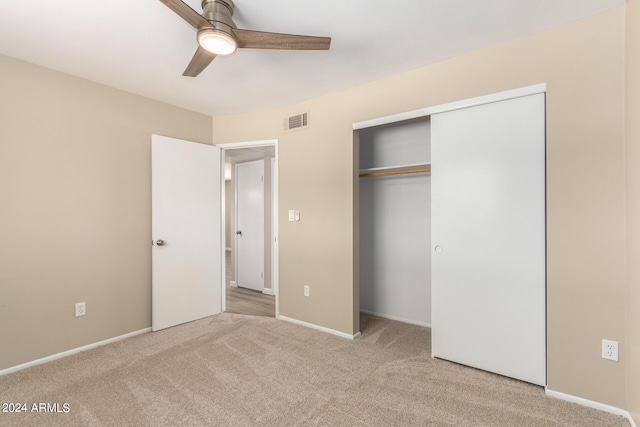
261	40
183	10
199	62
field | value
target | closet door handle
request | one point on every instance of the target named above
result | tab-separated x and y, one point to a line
438	249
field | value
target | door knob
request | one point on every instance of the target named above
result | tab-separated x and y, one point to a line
239	233
438	249
161	243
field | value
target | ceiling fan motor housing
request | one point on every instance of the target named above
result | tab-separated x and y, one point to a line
217	34
219	13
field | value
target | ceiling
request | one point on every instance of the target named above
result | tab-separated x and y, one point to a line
143	47
241	155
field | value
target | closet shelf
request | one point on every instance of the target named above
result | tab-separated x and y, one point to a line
396	170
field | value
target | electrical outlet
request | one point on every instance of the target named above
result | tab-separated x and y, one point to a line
610	350
306	290
80	309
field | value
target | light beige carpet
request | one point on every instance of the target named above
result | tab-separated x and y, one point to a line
236	370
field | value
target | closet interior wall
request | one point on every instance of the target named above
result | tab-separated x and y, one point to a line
395	221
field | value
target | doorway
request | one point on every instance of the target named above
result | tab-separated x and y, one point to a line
487	214
250	230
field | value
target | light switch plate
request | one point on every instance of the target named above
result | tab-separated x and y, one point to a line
294	215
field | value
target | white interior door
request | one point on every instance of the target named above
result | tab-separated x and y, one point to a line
488	237
250	225
186	231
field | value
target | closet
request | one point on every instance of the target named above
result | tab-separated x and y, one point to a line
474	225
395	214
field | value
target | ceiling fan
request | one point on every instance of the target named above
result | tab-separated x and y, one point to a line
218	35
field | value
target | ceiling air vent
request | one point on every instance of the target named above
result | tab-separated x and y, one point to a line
299	121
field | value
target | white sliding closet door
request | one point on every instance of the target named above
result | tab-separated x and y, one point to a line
488	237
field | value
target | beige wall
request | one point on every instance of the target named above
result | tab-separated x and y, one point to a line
230	226
75	163
229	204
583	66
631	351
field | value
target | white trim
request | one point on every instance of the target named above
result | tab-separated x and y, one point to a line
275	253
320	328
396	318
223	231
72	351
248	144
274	227
423	112
591	404
268	291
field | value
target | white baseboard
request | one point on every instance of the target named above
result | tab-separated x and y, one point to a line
320	328
72	351
268	291
591	404
396	318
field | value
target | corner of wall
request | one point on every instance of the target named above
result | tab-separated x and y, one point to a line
356	234
632	187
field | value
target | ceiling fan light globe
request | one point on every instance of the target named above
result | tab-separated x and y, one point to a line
217	42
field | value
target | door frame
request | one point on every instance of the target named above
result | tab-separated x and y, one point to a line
275	253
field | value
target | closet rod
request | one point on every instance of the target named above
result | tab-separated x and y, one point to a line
396	172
